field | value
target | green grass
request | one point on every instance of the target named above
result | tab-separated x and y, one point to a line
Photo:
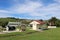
51	34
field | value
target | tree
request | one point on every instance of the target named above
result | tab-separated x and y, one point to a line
40	20
11	18
3	23
54	21
57	23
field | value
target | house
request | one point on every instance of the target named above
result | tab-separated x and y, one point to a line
37	24
12	26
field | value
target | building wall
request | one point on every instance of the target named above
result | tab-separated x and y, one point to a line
37	25
51	26
34	27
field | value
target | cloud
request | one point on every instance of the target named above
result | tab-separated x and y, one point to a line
4	11
35	9
5	15
27	7
57	1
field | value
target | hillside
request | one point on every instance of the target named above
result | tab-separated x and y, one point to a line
4	21
11	19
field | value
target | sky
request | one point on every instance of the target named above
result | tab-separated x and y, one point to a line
30	9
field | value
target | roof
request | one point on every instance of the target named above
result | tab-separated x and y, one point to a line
13	23
39	21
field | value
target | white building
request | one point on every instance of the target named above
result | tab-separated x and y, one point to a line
36	24
12	25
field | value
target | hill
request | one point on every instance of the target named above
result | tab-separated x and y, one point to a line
4	21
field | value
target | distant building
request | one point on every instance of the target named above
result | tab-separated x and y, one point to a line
12	26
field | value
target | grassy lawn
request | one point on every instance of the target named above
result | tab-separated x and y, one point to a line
51	34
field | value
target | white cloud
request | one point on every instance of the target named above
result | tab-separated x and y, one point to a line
35	9
4	11
5	15
57	1
27	7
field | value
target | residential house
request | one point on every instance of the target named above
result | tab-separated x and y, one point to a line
37	24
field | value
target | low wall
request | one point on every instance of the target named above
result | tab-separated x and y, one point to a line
51	26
